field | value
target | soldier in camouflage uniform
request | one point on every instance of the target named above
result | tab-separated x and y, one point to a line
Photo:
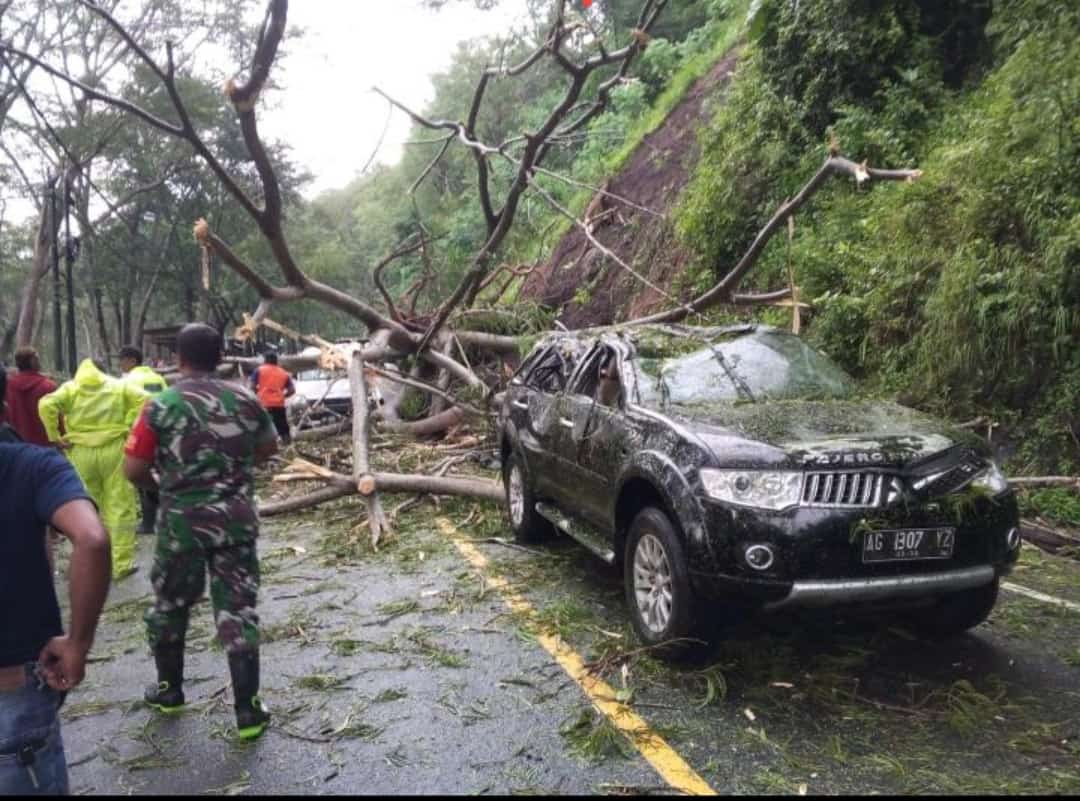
203	436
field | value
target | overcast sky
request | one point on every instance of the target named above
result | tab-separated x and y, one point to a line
326	110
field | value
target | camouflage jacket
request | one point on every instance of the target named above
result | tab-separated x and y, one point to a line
207	432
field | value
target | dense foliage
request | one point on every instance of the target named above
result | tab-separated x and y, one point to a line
960	292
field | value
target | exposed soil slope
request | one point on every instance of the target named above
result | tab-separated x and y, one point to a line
653	177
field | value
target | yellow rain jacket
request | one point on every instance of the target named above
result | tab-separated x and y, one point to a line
146	379
98	412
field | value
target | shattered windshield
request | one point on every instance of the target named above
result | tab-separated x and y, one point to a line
765	365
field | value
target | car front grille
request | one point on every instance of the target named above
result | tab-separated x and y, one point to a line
846	490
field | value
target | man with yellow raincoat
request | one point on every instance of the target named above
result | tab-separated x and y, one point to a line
133	369
98	412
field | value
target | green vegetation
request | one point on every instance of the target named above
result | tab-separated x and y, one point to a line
1056	504
959	292
593	738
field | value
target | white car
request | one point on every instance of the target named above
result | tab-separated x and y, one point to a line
320	394
323	396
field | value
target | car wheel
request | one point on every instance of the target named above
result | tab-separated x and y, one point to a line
956	612
528	526
662	603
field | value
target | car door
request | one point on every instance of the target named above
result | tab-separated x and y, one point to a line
592	437
533	409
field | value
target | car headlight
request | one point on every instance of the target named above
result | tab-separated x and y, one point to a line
992	480
763	490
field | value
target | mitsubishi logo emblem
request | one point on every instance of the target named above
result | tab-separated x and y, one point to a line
896	490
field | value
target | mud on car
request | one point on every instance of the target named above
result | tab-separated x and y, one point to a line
739	469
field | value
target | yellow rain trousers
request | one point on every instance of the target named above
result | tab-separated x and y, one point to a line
98	411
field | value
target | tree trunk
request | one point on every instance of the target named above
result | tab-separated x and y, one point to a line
103	328
429	425
305	501
118	318
24	333
365	483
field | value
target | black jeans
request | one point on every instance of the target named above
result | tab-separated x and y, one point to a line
149	500
281	423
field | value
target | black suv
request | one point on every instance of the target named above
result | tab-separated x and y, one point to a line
733	467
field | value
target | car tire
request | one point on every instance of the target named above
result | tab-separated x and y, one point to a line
956	612
663	608
527	525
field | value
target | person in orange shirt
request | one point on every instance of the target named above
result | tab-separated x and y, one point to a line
273	385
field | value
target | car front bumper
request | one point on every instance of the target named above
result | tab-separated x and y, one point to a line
844	591
772	595
818	555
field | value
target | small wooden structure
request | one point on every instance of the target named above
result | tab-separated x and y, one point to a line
159	344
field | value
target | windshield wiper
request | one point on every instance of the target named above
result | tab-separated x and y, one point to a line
740	385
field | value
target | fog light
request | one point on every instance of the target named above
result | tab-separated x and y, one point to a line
1012	539
759	557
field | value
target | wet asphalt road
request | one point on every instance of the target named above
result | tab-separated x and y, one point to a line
404	671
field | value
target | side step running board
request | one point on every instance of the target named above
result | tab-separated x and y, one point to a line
586	536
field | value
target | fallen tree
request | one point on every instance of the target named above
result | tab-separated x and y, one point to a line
437	342
1052	540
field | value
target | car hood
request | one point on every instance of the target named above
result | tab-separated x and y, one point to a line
824	434
315	388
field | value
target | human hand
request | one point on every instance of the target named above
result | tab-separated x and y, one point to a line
62	444
63	662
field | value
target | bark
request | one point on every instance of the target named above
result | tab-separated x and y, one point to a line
340	486
103	328
1049	539
39	268
436	424
304	501
424	386
322	432
440	402
377	521
485	488
1046	481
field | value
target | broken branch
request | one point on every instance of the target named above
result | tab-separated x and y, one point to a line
723	291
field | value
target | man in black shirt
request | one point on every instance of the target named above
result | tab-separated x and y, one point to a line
38	661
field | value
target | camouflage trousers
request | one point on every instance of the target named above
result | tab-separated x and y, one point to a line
179	578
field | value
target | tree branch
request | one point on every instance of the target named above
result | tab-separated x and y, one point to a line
723	291
426	387
376	274
89	91
596	243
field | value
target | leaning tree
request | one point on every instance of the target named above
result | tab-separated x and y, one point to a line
434	340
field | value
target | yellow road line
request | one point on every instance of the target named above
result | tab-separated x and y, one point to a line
671	767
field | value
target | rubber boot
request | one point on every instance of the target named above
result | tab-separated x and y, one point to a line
167	695
251	715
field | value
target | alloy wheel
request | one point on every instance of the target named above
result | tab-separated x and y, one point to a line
516	496
652	583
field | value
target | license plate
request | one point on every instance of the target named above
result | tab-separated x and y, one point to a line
908	544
